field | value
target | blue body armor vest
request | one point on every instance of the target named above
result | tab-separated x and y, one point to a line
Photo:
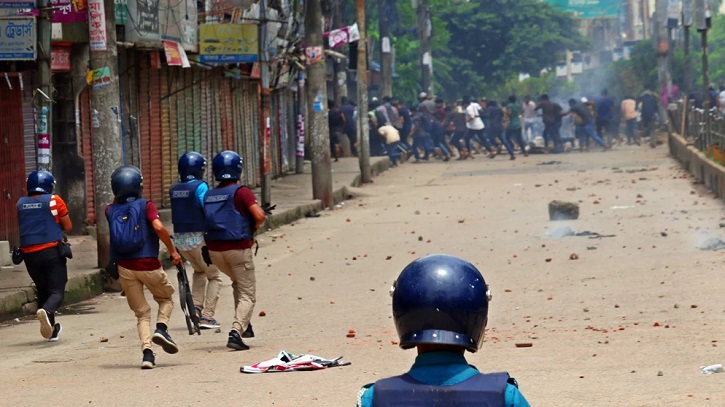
37	224
150	247
481	390
223	220
187	215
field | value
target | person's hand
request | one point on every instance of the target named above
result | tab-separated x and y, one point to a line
175	258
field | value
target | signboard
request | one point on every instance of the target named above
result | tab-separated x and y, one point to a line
60	58
97	25
99	77
17	4
175	54
69	11
228	43
588	8
17	39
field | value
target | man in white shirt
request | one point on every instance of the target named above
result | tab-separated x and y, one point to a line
475	127
529	113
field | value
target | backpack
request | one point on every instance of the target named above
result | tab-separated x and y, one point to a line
126	230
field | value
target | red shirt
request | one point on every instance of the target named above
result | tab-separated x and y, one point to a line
243	200
145	263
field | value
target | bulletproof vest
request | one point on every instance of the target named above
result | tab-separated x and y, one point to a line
223	220
187	214
37	224
481	390
150	247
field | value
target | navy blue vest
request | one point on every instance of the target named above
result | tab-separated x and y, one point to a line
223	220
481	390
187	215
150	247
37	223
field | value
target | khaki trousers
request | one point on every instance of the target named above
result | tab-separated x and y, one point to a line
206	282
239	266
158	284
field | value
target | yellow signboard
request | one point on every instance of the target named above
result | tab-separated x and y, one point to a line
228	43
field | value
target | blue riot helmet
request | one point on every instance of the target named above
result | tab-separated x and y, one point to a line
40	181
227	166
191	166
440	299
127	183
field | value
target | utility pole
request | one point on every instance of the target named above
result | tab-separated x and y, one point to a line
687	22
663	49
701	22
339	65
426	60
363	130
301	127
319	129
43	78
265	104
386	48
105	113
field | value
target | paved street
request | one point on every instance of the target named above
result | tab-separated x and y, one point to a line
627	323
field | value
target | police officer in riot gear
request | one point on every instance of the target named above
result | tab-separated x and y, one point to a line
187	215
42	218
440	307
232	216
135	230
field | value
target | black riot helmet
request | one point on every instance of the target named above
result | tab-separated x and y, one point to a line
127	184
440	299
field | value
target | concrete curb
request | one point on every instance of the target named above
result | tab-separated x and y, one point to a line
697	164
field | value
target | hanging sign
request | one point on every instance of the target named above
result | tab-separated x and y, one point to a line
175	54
60	58
313	54
228	43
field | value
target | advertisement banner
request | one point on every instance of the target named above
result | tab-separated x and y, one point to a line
143	21
16	4
228	43
175	54
60	58
69	11
17	38
97	25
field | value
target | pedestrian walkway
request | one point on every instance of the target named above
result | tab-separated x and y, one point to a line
292	194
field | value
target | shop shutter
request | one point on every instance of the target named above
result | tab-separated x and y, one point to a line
12	157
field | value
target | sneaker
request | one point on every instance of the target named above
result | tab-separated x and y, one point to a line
163	339
235	341
249	332
149	359
46	329
208	323
57	329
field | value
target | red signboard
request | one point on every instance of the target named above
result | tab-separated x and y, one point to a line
60	58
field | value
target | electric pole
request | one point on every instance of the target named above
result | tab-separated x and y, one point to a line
363	130
319	130
105	113
426	60
43	78
687	22
386	48
701	16
339	65
265	103
663	49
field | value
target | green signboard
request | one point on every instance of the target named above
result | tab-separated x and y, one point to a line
589	8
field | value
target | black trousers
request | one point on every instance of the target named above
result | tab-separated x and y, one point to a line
49	273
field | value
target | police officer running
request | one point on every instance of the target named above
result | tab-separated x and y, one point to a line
42	219
135	230
187	215
232	216
440	306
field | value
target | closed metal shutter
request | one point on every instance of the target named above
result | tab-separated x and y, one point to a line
12	154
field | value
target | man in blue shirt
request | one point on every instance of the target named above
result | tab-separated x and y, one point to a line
440	306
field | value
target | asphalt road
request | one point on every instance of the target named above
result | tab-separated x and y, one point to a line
628	323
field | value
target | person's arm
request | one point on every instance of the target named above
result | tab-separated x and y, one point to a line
165	237
65	223
258	215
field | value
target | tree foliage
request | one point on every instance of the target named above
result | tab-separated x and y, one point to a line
479	45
